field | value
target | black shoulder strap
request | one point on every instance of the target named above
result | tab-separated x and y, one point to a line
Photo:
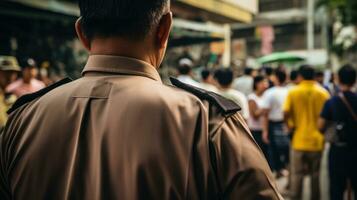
348	106
30	97
227	106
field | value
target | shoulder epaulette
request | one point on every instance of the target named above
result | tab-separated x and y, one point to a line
227	106
30	97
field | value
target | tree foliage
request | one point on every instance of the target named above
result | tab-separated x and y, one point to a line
346	9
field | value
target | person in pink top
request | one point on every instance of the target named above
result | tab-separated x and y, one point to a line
28	83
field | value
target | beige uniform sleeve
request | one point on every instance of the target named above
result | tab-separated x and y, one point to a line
240	166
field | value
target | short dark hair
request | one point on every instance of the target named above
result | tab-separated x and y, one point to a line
268	70
280	75
205	73
123	18
307	72
293	75
257	80
347	75
248	71
224	76
28	62
184	69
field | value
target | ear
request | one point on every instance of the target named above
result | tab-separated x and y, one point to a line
164	29
81	35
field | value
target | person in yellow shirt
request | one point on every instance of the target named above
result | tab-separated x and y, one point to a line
302	107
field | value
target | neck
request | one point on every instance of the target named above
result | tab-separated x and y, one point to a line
225	87
27	81
122	47
345	88
259	93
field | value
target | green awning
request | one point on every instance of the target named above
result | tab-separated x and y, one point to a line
280	57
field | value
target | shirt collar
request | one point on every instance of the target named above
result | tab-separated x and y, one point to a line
307	82
120	65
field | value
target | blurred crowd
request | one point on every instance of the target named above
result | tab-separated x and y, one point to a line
292	114
18	78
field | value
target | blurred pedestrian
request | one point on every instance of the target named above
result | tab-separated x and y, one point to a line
339	113
293	79
303	106
273	100
256	118
9	69
225	80
332	86
43	74
185	72
268	72
120	133
244	84
207	82
319	78
28	83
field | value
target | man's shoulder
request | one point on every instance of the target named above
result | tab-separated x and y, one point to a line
224	105
322	91
237	94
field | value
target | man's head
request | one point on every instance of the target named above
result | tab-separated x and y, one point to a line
307	72
248	71
268	71
9	69
206	76
294	76
29	69
185	66
319	77
347	75
119	27
224	77
279	77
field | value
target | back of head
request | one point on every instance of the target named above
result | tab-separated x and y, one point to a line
307	72
248	71
205	74
268	70
224	77
294	75
185	66
280	75
123	18
28	63
347	75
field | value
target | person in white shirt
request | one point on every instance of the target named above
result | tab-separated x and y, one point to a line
244	84
207	81
278	139
256	119
225	80
185	70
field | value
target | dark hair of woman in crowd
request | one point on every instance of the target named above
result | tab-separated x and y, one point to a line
258	79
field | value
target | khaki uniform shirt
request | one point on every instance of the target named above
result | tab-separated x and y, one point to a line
119	133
